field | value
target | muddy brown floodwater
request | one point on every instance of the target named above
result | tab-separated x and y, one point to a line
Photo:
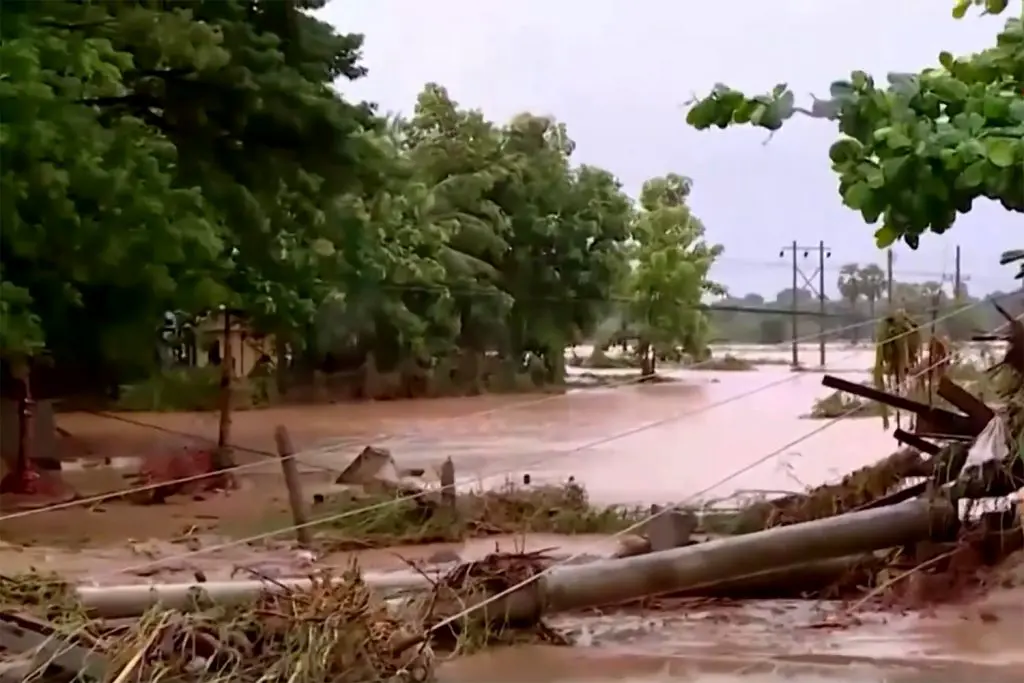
631	444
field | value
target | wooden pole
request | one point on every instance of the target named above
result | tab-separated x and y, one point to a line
300	516
448	495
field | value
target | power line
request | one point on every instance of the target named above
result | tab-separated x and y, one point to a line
910	273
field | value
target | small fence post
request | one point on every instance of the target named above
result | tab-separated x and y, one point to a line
291	479
448	498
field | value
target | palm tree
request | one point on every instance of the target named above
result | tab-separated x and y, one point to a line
872	284
849	285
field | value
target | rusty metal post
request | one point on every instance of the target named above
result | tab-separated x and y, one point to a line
296	501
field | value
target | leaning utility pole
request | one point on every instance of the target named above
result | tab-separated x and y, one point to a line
819	289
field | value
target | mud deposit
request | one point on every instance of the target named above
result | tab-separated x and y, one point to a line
765	642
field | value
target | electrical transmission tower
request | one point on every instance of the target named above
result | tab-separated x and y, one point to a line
796	251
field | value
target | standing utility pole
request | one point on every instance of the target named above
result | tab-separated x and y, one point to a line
957	279
888	279
819	289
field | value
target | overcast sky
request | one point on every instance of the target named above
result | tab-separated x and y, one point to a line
618	72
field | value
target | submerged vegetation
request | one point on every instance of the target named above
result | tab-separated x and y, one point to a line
398	519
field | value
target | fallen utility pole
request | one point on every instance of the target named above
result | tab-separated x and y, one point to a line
714	563
707	564
133	600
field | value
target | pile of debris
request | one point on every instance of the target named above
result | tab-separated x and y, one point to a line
333	629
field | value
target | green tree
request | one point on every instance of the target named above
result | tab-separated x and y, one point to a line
922	149
494	241
872	285
849	285
670	275
99	238
570	226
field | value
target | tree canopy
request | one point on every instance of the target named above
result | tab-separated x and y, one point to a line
920	149
165	161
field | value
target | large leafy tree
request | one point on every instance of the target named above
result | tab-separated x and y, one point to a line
194	153
569	228
914	152
669	278
187	156
99	238
493	241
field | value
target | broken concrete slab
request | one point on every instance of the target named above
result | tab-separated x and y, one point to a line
669	529
372	465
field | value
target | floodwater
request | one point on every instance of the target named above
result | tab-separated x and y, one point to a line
708	436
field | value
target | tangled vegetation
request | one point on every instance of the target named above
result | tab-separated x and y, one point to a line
336	630
510	509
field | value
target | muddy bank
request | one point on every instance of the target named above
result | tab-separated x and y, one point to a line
769	641
536	664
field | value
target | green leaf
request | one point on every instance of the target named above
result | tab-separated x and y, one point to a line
846	150
886	236
702	115
1002	152
973	176
857	195
892	167
323	247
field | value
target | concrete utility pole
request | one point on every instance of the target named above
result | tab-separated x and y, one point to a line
958	282
888	279
824	252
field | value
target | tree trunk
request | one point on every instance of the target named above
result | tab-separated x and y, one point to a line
22	478
281	364
222	458
647	360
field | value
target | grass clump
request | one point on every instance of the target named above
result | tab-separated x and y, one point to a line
421	519
841	404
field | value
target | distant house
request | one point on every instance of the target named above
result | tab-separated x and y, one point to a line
247	348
